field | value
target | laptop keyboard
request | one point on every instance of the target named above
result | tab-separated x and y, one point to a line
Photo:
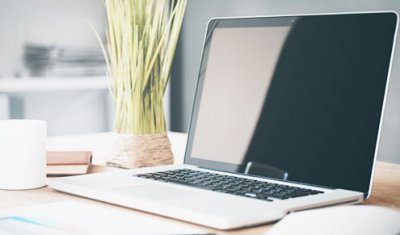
230	184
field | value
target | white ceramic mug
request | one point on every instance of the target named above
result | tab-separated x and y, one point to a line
22	154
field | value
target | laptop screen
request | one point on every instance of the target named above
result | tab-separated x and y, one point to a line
293	98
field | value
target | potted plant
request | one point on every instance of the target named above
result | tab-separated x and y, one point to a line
142	37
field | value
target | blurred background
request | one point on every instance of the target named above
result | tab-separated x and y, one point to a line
51	66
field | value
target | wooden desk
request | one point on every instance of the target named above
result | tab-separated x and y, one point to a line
386	187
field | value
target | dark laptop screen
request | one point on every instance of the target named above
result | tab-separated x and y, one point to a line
295	98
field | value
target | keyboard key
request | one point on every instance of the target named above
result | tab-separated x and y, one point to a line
230	184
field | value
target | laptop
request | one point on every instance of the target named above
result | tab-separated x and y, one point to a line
286	117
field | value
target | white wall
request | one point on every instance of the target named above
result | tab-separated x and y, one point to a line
69	112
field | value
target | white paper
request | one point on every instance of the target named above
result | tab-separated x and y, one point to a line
70	217
343	220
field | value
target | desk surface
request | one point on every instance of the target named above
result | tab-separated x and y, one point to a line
386	187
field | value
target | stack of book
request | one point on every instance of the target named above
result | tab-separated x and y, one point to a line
63	61
68	163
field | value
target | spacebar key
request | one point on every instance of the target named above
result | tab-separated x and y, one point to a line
207	187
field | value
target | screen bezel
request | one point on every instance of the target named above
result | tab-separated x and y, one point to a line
261	21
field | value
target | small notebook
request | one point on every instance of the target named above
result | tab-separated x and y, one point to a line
68	163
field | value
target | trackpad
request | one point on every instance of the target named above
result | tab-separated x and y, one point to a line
156	192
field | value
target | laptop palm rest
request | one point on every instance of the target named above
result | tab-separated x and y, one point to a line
156	192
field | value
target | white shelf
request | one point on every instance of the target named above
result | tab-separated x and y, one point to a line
20	85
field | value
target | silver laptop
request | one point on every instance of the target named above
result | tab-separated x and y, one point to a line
286	117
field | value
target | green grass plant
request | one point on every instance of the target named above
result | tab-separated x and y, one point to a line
141	42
